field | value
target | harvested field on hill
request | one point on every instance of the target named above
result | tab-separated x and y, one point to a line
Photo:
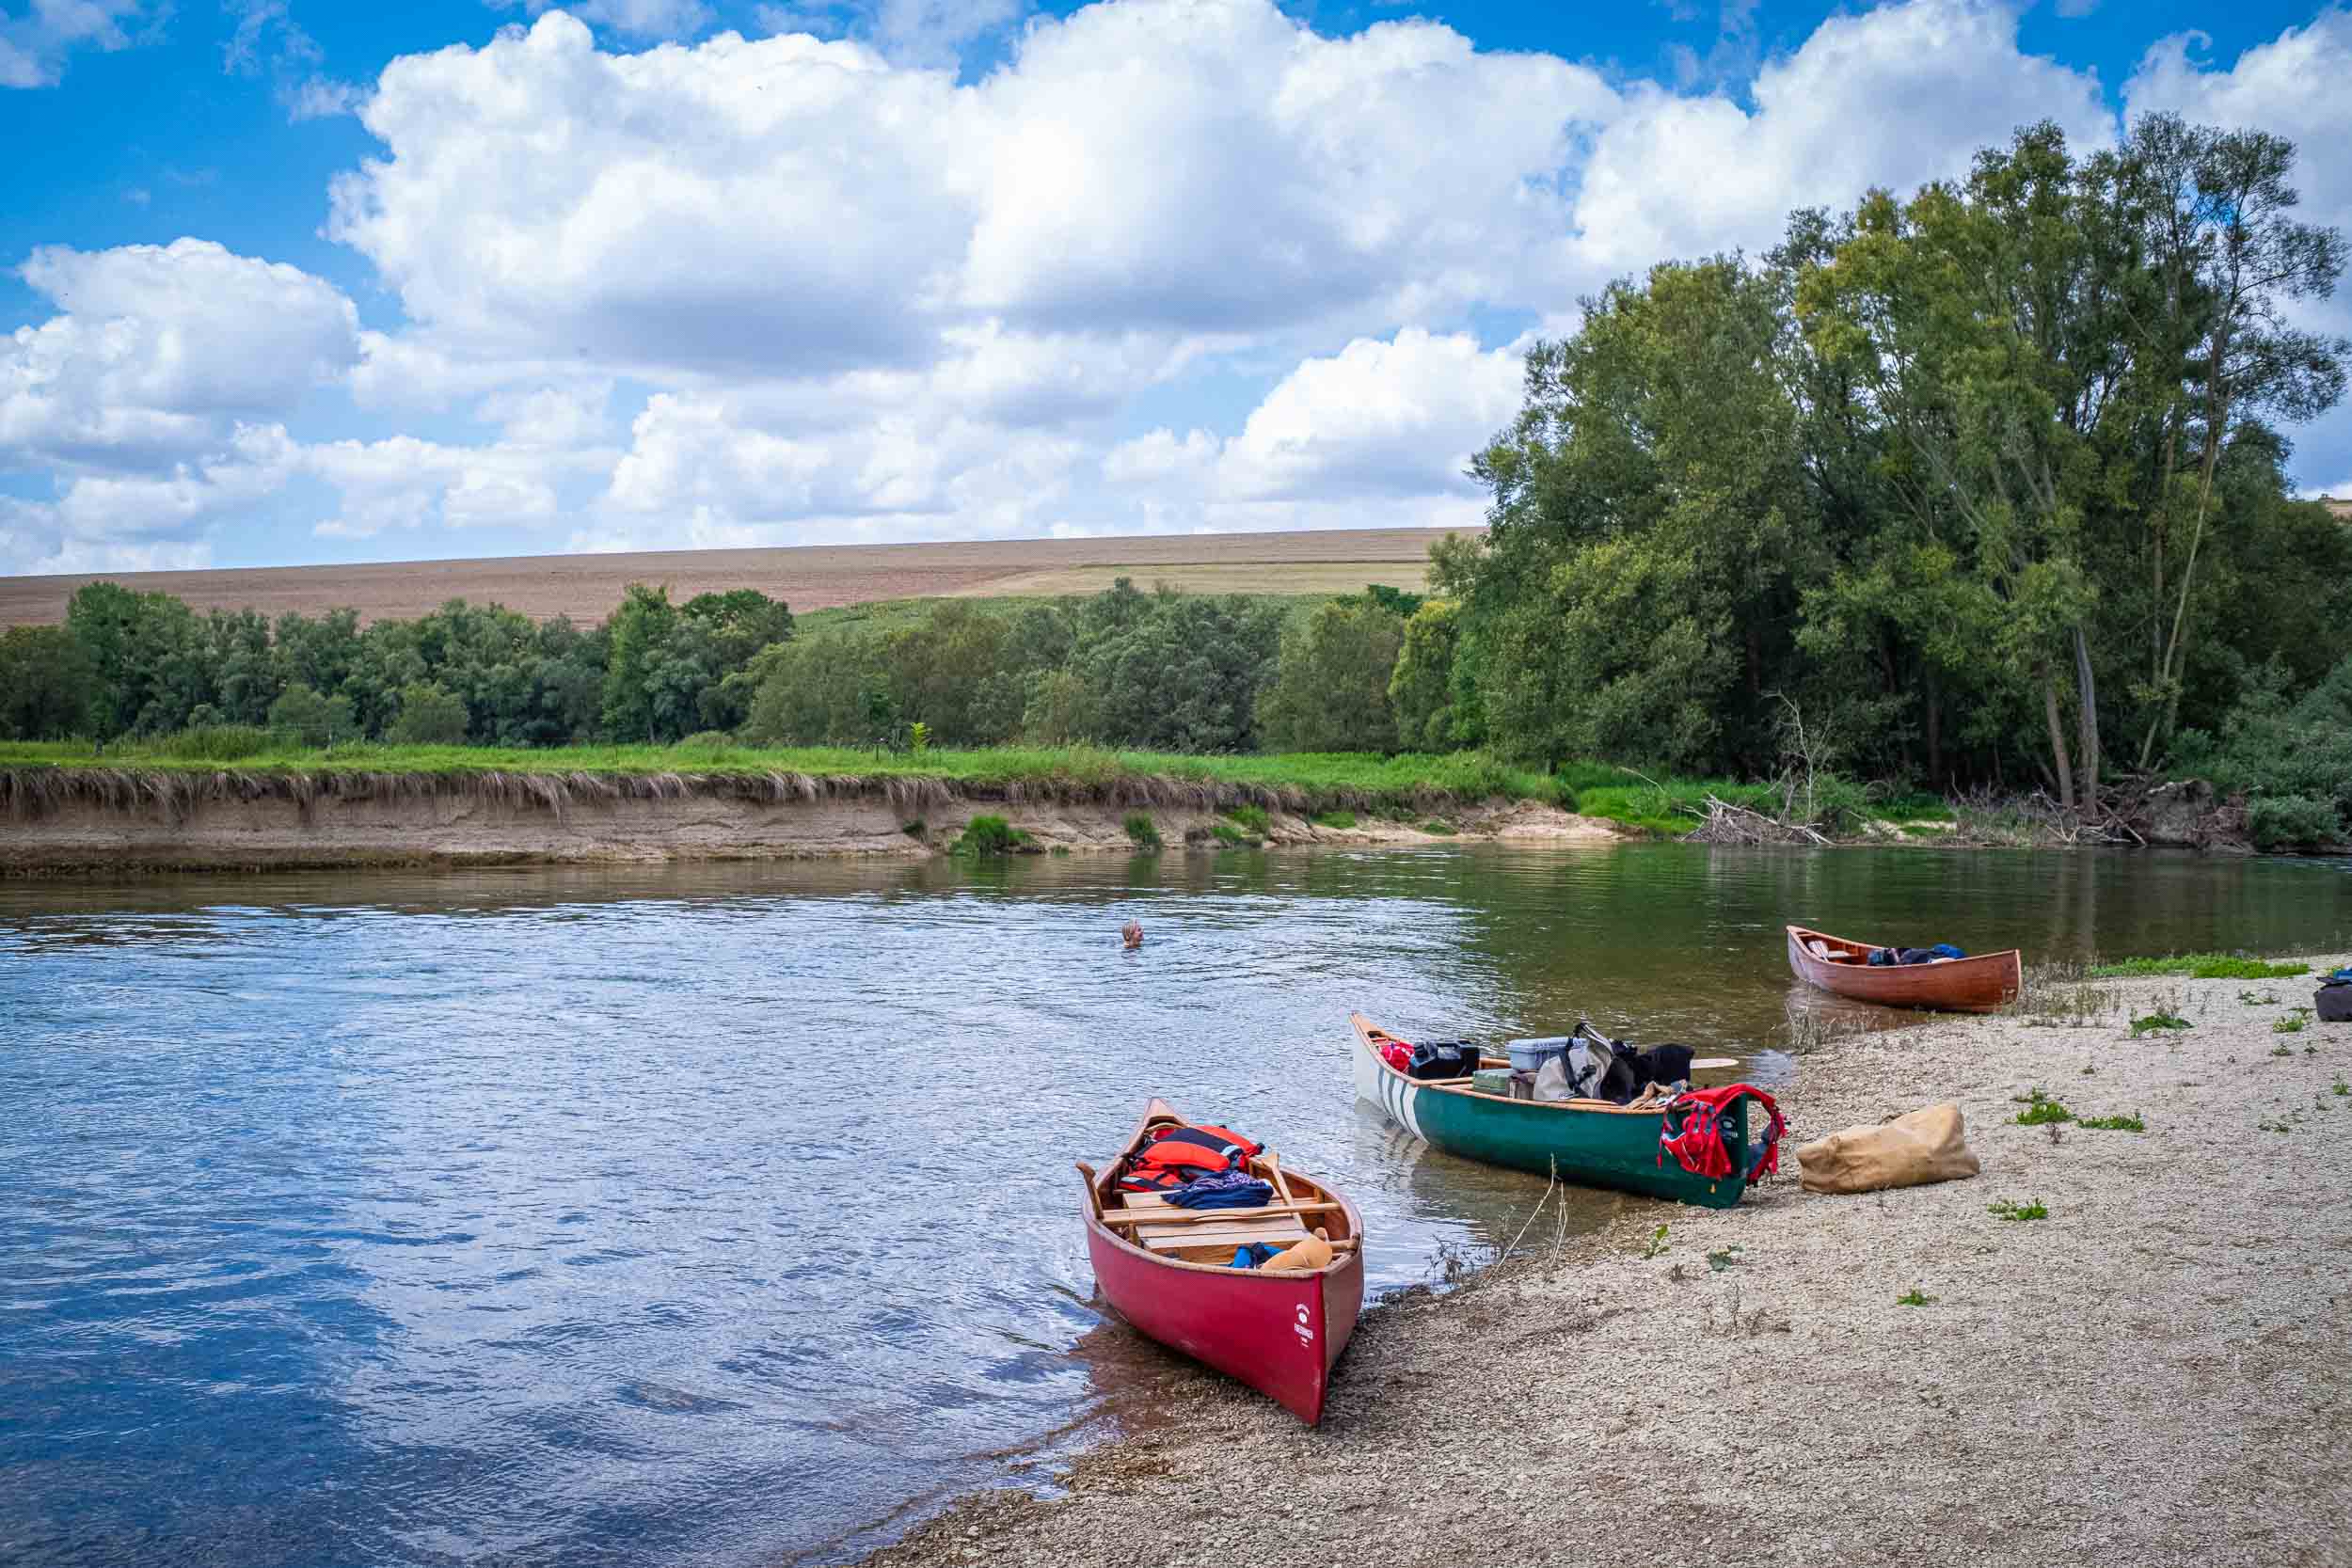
814	576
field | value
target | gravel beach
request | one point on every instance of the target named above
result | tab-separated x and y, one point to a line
2156	1372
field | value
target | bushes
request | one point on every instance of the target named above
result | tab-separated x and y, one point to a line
48	684
216	743
428	716
1141	832
989	835
307	718
1331	689
2291	822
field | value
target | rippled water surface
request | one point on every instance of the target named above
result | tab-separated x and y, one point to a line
719	1215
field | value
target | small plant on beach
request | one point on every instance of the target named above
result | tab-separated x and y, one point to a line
2163	1018
2114	1124
914	829
2089	1069
2343	1087
1718	1261
1439	827
2041	1111
2279	1126
1914	1297
2007	1210
1141	832
1335	819
1224	833
989	835
2267	999
2293	1024
1657	1244
2282	1051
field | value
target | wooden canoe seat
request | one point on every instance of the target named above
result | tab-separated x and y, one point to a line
1275	1229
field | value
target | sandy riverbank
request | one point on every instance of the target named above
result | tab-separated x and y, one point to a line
2158	1372
401	821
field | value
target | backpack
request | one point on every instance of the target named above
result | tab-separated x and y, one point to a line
1442	1059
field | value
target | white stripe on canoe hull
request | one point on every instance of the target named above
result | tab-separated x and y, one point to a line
1396	1095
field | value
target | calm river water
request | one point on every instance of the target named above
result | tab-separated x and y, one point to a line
724	1215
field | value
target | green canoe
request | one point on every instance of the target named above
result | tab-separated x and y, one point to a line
1590	1143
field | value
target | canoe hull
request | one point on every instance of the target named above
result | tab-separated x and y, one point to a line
1597	1147
1280	1333
1977	984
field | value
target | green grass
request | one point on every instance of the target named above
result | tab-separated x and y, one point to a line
2006	1210
2114	1124
1141	832
1249	820
1354	779
2201	966
1335	819
989	835
1231	836
1914	1297
2161	1019
1440	828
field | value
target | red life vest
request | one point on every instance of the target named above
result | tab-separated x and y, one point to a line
1176	1155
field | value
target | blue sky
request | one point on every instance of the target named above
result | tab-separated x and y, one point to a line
291	282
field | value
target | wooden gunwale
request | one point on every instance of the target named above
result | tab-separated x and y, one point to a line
1159	1111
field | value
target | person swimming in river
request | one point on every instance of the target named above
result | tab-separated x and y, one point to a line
1131	934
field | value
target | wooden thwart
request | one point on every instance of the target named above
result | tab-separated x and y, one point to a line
1202	1216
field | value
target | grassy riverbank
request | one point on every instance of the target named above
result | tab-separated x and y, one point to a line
2005	1366
1665	807
1314	780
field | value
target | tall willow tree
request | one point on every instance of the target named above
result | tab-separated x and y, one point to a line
1641	590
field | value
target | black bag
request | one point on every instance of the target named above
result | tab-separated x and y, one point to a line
2334	1002
1443	1059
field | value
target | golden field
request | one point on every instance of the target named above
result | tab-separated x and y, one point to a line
809	576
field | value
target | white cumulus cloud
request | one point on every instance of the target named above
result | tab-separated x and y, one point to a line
158	351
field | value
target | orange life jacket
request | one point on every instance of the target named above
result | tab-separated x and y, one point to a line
1176	1155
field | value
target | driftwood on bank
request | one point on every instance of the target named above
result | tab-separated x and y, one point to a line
1721	822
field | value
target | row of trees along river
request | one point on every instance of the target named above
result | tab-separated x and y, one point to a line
1981	487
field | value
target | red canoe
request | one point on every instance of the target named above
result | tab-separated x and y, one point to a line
1977	985
1280	1332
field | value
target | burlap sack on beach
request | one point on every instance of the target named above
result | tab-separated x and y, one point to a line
1914	1148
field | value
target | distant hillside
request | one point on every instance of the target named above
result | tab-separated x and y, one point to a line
813	577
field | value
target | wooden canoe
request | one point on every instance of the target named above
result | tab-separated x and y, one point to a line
1977	985
1280	1333
1589	1143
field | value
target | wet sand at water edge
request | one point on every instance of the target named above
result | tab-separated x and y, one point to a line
2158	1372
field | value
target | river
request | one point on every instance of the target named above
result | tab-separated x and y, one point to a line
724	1215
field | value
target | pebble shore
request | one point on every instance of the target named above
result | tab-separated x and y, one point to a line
2159	1371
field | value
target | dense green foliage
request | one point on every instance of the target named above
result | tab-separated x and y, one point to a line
1161	670
1330	687
127	665
1983	486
